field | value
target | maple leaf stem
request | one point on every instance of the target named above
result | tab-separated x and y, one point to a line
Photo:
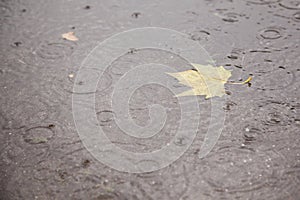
242	83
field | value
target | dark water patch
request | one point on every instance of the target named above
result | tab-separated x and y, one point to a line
17	44
87	7
229	105
260	50
86	163
136	14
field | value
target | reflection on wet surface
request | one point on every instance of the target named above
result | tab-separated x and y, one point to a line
42	156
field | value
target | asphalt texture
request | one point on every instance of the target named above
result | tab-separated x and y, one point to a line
257	155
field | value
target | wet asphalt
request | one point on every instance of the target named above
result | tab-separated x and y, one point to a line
257	155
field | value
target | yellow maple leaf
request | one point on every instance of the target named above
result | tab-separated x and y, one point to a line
205	80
